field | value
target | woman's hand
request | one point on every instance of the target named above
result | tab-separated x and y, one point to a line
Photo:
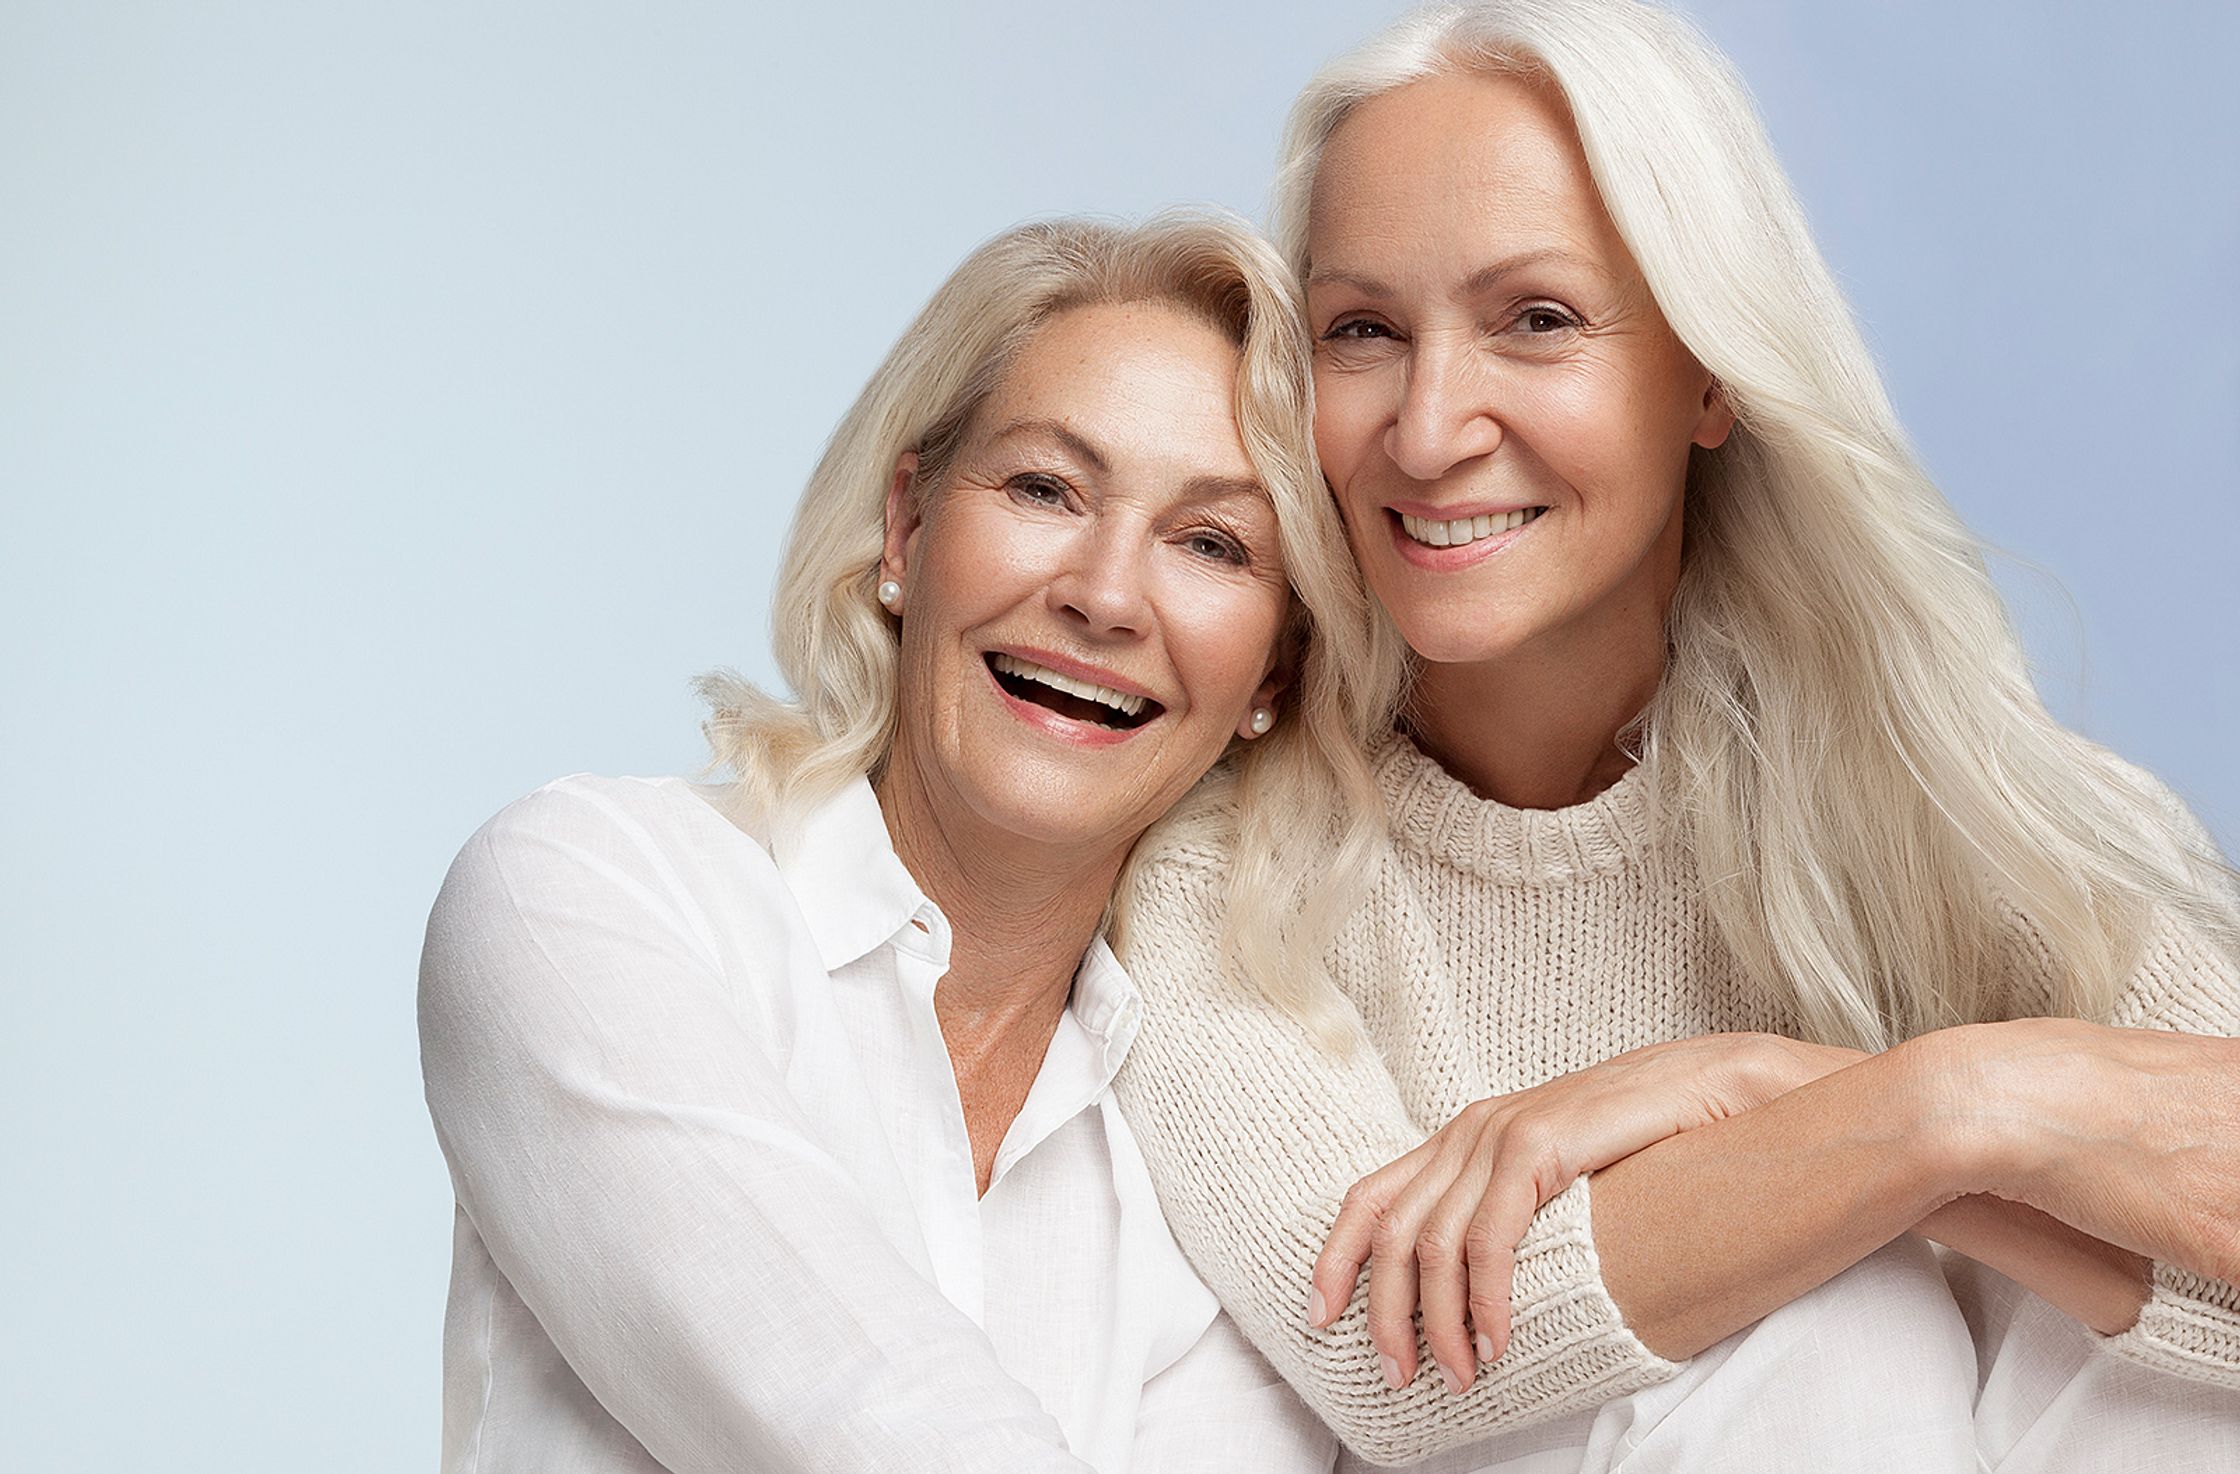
2131	1135
1443	1222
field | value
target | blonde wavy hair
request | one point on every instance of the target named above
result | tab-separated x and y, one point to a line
1871	780
837	647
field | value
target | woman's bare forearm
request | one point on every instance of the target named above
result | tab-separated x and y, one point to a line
1713	1229
1709	1231
2100	1284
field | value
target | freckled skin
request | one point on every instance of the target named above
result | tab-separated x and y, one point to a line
1483	336
1130	568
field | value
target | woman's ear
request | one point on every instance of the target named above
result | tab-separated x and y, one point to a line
1717	420
903	522
1260	717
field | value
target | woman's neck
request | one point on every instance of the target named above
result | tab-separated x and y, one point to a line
1020	915
1537	729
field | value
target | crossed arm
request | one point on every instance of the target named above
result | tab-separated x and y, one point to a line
1739	1171
1745	1200
1702	1237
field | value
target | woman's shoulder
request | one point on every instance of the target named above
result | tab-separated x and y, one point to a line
2163	812
1195	841
584	838
2183	937
637	887
1183	864
593	812
1173	908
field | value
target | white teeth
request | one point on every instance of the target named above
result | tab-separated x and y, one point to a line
1449	534
1119	701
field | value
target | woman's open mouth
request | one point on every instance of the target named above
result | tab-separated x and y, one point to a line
1069	696
1459	532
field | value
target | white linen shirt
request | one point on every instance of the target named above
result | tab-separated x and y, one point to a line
716	1205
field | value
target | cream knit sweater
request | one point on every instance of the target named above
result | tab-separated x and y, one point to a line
1500	947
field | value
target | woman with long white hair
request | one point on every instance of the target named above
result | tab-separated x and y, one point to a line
779	1111
1710	736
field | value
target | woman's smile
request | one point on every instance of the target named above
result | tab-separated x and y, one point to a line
1442	542
1069	700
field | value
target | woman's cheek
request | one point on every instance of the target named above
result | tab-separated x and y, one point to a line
1233	638
1344	417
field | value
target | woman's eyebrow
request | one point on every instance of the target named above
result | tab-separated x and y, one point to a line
1227	489
1198	488
1485	278
1328	276
1070	439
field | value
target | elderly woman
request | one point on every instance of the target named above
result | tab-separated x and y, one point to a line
779	1113
1714	731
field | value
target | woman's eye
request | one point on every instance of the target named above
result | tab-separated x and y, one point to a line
1538	320
1355	330
1215	545
1041	490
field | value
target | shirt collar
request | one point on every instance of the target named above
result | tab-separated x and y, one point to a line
1105	1005
855	893
1099	1024
841	866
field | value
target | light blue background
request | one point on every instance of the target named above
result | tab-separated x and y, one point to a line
400	402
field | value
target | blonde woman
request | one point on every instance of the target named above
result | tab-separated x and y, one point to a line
1714	732
779	1113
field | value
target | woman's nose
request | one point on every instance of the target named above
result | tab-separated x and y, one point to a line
1446	414
1104	583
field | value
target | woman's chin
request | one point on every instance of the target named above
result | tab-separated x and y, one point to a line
1449	637
1458	622
1050	792
1058	811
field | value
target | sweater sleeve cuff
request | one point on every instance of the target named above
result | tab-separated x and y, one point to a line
2189	1327
1560	1294
1569	1349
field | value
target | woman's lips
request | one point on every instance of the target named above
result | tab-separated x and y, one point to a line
1455	556
1073	730
1024	676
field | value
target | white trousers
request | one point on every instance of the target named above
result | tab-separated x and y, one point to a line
2051	1402
1879	1372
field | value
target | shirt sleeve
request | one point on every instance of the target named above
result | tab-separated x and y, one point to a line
621	1139
1253	1134
2190	1325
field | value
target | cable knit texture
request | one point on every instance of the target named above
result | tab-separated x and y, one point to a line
1498	949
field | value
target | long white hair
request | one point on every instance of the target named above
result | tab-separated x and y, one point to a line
1869	777
838	648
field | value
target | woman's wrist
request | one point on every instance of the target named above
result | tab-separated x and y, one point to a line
1937	1090
2018	1108
1788	1063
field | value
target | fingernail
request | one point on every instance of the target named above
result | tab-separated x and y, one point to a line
1318	1310
1392	1372
1454	1378
1485	1348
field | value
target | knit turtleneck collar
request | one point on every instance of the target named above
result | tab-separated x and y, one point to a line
1433	812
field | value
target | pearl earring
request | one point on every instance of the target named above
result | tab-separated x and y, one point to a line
1262	720
890	593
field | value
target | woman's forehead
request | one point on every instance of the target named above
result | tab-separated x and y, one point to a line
1484	166
1111	388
